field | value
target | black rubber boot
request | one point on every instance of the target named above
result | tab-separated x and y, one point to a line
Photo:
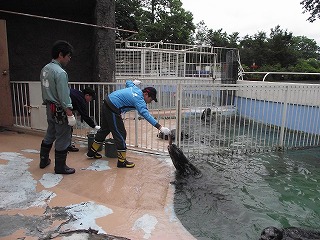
122	160
93	152
44	155
60	163
73	148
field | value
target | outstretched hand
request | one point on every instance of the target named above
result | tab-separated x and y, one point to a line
165	130
136	82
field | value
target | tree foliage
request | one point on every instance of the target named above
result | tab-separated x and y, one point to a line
280	51
254	50
155	20
279	45
167	21
313	7
127	14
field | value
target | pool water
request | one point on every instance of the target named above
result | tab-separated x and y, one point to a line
239	195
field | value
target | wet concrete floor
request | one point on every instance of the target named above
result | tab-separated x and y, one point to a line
99	201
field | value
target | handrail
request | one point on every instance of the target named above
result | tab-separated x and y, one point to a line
287	73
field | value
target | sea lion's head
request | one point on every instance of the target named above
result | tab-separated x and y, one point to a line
271	233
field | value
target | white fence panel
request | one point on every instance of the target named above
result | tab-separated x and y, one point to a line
210	118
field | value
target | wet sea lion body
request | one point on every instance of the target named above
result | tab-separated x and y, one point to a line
182	164
290	233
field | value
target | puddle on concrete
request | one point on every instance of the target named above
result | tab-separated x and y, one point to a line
98	165
146	223
31	151
85	215
18	187
50	180
18	191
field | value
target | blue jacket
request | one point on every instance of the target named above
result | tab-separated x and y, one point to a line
131	98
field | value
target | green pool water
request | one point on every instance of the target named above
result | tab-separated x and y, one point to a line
239	196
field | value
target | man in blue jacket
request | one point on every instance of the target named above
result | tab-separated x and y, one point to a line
79	102
116	103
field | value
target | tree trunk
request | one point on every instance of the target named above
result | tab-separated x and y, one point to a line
104	59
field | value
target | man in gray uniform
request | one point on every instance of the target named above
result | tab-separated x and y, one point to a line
56	96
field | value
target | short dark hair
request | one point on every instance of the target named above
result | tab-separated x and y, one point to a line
90	91
63	47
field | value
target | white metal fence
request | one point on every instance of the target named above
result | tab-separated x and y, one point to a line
210	118
200	97
176	61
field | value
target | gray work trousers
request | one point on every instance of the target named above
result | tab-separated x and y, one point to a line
60	133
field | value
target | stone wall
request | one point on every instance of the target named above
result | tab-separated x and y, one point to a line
30	38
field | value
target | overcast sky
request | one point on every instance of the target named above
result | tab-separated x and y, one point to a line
251	16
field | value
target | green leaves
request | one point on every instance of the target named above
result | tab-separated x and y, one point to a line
313	7
155	20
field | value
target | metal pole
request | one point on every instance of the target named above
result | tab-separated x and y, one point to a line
284	116
178	114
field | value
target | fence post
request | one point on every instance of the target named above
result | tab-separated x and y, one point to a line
178	114
136	129
284	118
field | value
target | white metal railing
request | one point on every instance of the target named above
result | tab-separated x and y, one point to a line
266	74
211	118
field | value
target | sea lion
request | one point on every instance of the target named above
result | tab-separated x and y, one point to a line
290	233
182	164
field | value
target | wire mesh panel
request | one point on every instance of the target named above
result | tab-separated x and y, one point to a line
167	60
241	118
128	62
21	103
